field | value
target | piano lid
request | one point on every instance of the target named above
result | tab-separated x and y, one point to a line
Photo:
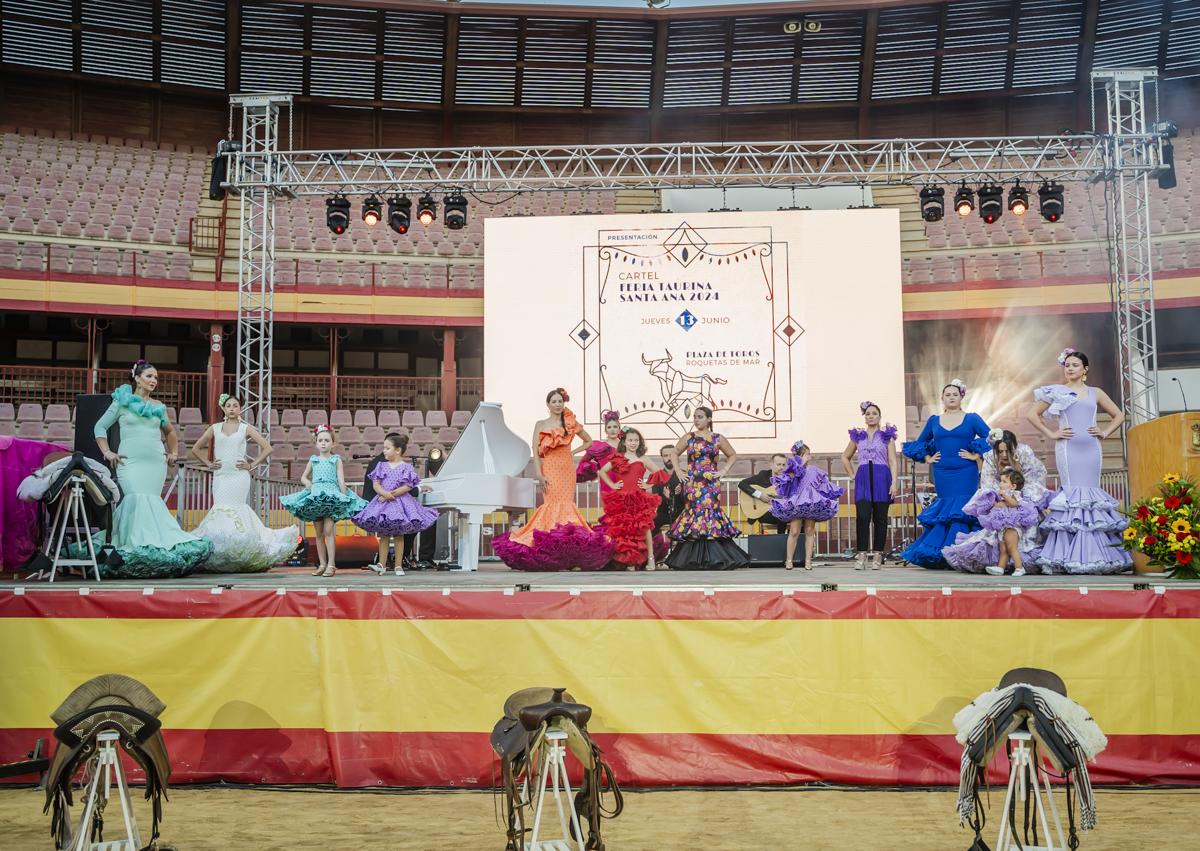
487	445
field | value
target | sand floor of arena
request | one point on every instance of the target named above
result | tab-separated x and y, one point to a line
248	818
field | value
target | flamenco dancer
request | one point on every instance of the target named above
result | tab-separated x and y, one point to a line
980	550
325	499
556	536
806	497
241	543
394	511
703	534
629	509
875	484
147	538
1083	524
597	454
953	444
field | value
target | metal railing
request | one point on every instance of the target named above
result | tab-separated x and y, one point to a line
56	385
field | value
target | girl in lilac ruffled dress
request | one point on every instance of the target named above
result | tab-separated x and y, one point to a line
975	552
394	512
1010	516
805	498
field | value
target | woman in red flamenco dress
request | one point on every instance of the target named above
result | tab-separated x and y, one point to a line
629	506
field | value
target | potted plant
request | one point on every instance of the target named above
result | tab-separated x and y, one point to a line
1166	528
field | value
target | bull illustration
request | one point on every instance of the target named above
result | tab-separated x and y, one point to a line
679	390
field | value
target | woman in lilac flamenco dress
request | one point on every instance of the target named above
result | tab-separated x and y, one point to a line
977	551
556	536
952	443
805	497
1083	525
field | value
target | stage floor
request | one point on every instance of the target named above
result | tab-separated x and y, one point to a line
494	576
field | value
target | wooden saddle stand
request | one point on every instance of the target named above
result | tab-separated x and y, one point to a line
538	727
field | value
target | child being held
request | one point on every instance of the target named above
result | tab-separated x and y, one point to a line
1011	516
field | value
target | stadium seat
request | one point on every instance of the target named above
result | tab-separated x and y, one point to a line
422	434
340	418
374	435
291	417
364	418
314	418
389	419
436	419
60	432
361	450
29	412
7	412
448	435
8	428
412	419
349	434
190	416
58	414
283	452
459	419
299	435
31	429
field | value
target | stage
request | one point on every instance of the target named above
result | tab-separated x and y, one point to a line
756	676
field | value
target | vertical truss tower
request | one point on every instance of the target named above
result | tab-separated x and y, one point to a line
1131	255
256	251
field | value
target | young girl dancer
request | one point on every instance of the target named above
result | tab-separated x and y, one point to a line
806	497
394	511
597	454
875	484
1012	516
629	508
325	499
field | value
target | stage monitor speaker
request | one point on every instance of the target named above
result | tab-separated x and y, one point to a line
771	550
89	408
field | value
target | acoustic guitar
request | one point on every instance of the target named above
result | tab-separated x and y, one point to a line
753	509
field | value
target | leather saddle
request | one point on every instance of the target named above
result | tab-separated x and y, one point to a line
110	702
517	739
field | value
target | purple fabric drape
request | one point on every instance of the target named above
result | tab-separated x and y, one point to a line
18	520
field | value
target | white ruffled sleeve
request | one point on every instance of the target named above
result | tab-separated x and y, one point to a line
1059	398
1035	474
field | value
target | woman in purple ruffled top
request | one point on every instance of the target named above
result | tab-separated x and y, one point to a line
394	511
977	551
600	452
875	484
1084	524
805	497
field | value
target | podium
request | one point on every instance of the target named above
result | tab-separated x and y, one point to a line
1169	444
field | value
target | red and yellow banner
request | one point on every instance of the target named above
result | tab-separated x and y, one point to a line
737	687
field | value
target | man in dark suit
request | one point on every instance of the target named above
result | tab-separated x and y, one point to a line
760	481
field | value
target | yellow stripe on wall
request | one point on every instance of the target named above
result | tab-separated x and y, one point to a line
643	676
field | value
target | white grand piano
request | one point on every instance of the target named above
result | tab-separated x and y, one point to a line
481	474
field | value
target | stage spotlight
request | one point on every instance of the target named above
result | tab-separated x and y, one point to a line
372	211
1018	200
434	462
991	202
454	211
337	213
933	203
964	201
426	210
399	214
1050	200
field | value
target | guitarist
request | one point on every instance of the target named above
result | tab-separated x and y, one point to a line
667	484
754	486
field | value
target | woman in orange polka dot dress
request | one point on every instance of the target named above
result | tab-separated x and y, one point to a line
556	536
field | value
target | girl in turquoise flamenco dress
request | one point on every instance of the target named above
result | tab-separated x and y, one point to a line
146	536
324	500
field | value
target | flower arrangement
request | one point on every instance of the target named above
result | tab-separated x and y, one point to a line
1167	527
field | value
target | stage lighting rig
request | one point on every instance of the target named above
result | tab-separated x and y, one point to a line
454	211
399	214
426	210
964	201
1050	200
372	211
991	202
1018	199
337	213
933	203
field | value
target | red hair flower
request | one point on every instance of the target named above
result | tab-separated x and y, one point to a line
1171	502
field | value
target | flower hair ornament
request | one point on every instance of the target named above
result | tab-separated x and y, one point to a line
322	429
960	384
798	447
605	417
862	406
995	435
1064	354
133	369
561	392
222	399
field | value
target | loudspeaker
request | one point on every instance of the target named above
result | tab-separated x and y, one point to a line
89	408
771	550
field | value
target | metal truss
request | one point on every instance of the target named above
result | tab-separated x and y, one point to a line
1130	257
256	252
1123	155
782	164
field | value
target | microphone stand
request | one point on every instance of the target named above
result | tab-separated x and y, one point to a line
1181	393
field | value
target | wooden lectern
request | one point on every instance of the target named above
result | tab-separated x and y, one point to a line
1169	444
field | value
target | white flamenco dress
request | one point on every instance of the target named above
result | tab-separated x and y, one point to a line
241	543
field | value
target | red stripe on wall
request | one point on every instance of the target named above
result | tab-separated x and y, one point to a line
465	759
199	603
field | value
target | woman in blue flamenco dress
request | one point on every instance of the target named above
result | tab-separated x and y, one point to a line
146	537
953	444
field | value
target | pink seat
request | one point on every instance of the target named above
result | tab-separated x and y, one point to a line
283	452
364	418
340	418
412	419
422	434
448	435
30	430
389	419
193	432
459	419
29	412
7	412
299	434
374	435
60	432
436	419
314	418
7	428
349	434
291	417
190	416
58	414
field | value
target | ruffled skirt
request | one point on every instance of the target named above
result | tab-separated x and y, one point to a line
628	515
149	543
565	547
707	554
944	522
241	543
1083	534
400	516
322	502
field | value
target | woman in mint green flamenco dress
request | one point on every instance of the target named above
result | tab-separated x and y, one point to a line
145	534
